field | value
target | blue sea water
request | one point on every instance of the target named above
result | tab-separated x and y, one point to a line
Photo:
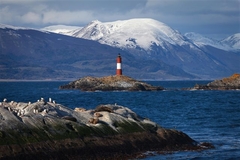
206	116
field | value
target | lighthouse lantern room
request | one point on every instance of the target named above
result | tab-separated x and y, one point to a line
119	65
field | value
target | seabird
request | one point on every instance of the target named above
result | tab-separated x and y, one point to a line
5	100
50	100
35	110
45	110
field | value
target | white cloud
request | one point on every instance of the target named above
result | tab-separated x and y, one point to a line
42	15
32	18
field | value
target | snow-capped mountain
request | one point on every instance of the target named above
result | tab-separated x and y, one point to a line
3	26
37	54
229	44
142	33
149	48
131	33
202	41
61	29
151	39
233	41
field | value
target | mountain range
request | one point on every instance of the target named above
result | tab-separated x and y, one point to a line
150	50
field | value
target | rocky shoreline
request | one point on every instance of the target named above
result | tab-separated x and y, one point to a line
110	83
229	83
47	130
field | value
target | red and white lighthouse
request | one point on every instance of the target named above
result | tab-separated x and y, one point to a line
119	65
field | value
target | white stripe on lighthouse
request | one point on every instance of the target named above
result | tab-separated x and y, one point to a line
119	66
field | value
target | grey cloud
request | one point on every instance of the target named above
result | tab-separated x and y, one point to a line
200	16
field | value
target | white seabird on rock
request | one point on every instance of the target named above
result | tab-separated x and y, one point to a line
35	110
18	113
22	112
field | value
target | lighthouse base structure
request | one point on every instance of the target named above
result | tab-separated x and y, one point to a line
119	72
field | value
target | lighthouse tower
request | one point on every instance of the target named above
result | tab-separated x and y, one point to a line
119	65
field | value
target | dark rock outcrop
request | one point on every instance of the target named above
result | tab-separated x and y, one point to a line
230	83
110	83
45	130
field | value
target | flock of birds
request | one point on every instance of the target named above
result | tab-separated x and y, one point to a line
41	100
21	112
22	109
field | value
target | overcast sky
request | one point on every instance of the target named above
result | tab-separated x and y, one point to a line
213	18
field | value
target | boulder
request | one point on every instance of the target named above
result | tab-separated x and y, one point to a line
110	83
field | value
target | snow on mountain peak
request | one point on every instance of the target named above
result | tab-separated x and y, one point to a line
139	32
201	41
62	29
233	41
4	26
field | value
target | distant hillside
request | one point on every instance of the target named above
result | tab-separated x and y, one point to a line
33	54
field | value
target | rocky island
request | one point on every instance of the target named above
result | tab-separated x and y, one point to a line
230	83
110	83
47	130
